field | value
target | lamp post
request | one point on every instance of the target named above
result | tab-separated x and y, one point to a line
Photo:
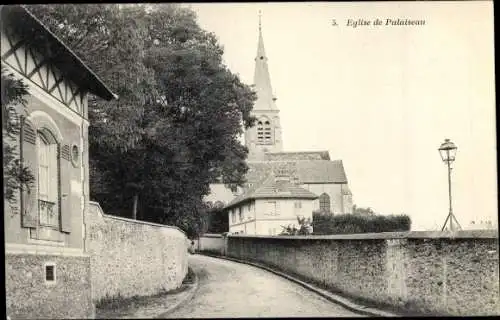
448	151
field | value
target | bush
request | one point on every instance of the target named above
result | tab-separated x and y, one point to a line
324	224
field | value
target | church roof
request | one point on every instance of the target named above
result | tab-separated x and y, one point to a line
70	65
300	155
305	171
321	171
272	188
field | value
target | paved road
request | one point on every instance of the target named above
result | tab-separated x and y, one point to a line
230	289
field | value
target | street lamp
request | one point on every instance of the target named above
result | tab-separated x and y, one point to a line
448	150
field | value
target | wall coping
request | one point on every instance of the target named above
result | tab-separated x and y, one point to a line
109	216
463	234
212	235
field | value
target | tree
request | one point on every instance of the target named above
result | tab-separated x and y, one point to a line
175	127
15	175
217	219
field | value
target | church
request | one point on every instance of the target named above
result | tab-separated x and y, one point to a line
280	185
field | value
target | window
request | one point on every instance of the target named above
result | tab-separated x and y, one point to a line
75	156
240	213
264	132
271	208
233	216
48	184
249	206
46	202
324	203
50	273
260	132
267	132
298	204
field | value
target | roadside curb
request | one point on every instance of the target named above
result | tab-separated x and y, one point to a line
191	292
346	303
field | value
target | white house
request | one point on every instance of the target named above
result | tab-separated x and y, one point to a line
269	207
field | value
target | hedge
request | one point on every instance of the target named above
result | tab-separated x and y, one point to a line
324	223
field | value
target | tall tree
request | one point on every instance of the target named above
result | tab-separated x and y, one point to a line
175	128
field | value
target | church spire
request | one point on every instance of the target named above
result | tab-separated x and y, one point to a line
265	136
262	80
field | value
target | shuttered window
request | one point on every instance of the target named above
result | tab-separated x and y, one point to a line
48	176
47	201
240	213
29	160
271	208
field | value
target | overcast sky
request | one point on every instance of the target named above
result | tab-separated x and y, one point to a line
381	98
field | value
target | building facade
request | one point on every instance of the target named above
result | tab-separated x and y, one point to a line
270	207
47	268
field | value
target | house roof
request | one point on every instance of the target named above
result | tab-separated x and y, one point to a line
272	188
71	66
305	171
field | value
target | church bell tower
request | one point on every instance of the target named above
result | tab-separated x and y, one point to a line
265	135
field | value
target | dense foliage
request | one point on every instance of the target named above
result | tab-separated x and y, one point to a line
176	125
217	221
305	228
324	224
15	176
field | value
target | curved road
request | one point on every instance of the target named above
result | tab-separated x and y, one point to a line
230	289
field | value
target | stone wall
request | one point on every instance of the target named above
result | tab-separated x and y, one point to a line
214	243
130	257
416	272
30	296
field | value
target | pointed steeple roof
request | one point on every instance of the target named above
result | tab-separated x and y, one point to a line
261	79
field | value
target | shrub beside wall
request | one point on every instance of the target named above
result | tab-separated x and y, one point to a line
133	258
325	224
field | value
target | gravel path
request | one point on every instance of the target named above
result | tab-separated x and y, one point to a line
230	289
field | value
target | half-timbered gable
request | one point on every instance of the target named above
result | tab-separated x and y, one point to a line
41	71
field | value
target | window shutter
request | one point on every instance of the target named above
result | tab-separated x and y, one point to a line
29	193
65	187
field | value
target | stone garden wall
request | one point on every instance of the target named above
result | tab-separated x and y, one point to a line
421	272
130	257
214	243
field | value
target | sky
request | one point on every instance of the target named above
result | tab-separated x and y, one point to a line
381	98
